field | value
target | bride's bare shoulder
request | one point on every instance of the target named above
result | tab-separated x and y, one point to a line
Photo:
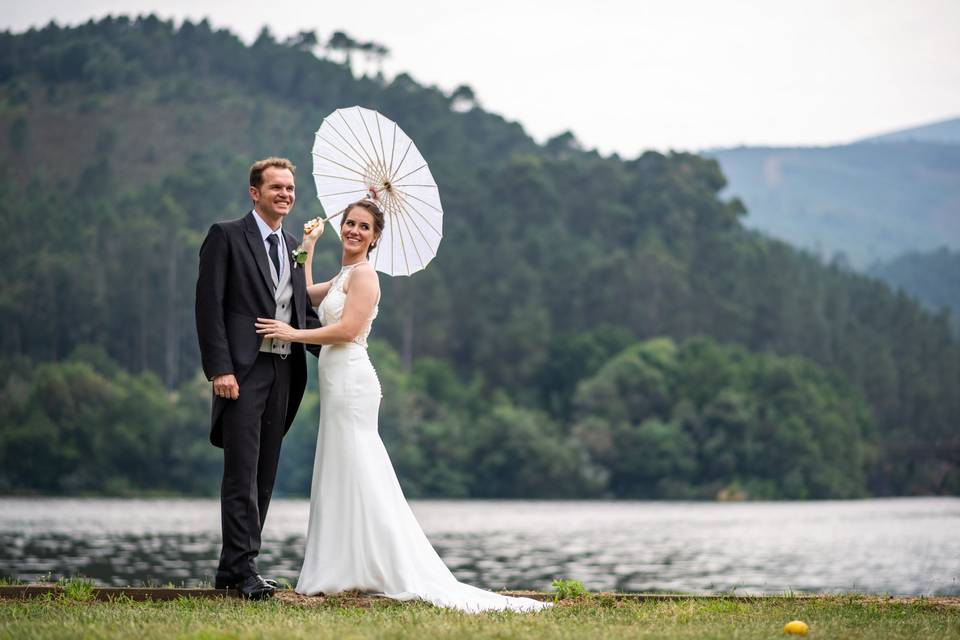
365	276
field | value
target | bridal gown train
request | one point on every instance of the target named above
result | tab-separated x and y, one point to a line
362	533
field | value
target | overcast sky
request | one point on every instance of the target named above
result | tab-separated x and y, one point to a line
626	76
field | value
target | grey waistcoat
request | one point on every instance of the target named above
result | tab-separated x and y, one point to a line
283	294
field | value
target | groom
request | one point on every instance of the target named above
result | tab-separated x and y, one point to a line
247	271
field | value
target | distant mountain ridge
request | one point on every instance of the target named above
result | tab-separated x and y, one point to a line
871	201
943	132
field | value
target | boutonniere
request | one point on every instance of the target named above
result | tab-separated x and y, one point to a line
299	256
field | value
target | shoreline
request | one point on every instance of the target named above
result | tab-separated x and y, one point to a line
289	596
25	496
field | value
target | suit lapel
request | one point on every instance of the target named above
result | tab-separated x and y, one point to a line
259	251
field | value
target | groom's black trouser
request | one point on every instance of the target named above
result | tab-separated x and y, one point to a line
252	434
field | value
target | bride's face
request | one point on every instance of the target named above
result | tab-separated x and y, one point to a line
357	230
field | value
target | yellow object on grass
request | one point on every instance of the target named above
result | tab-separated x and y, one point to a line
796	627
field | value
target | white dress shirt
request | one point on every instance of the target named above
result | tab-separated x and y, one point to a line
281	247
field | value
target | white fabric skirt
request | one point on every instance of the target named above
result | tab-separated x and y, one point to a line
362	533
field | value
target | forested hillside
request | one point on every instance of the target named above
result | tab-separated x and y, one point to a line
933	277
591	327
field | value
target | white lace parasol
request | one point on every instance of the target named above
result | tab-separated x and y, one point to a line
358	153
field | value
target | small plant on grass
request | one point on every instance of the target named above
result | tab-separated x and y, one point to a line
568	589
604	601
77	589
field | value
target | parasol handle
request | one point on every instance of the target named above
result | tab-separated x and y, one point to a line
372	194
336	215
322	221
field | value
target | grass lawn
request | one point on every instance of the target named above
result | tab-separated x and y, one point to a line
289	616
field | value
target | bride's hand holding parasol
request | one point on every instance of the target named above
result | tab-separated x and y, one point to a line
312	230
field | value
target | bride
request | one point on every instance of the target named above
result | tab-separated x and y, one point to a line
362	533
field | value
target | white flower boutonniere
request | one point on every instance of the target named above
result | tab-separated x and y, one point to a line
299	256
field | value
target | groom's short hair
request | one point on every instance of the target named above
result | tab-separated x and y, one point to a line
258	167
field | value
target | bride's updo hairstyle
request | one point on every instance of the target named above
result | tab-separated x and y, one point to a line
378	219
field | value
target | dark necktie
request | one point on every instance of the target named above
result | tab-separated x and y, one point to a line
274	252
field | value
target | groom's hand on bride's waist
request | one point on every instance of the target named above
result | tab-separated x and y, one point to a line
226	386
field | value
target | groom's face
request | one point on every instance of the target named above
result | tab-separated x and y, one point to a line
275	196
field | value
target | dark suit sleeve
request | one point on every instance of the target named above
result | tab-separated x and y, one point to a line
313	322
211	285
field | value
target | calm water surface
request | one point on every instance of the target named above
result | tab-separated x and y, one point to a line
897	546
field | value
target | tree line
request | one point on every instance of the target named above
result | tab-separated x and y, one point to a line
656	419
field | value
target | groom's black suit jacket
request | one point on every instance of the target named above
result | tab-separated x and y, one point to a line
234	288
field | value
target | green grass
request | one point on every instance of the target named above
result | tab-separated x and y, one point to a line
850	617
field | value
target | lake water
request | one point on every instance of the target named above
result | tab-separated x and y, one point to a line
895	546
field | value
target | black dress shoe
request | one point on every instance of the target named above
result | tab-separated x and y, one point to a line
254	588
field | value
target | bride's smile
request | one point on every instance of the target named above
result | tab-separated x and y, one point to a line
357	232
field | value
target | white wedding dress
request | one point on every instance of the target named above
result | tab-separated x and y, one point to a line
362	534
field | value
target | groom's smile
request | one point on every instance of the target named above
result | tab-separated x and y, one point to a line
276	195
